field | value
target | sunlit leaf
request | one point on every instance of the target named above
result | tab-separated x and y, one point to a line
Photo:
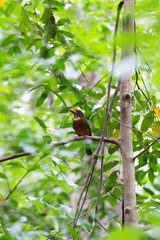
2	2
40	122
147	121
157	110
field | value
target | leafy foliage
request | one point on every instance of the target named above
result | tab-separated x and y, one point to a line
45	47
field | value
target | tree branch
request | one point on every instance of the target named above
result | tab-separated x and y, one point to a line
86	185
28	171
98	196
133	159
17	155
107	190
137	130
102	226
61	229
54	144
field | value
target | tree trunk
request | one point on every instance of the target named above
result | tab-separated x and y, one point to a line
130	214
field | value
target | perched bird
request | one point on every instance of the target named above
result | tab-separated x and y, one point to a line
81	126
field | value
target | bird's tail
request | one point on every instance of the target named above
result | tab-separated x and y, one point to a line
88	151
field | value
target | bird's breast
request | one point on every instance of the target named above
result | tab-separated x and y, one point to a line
80	127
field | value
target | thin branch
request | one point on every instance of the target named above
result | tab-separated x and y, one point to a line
84	199
147	64
17	155
109	108
96	154
111	193
136	72
24	177
61	229
114	53
130	128
80	138
133	159
102	226
54	144
99	192
90	173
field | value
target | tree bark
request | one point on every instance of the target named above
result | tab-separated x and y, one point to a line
129	214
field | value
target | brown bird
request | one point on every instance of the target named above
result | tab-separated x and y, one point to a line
81	126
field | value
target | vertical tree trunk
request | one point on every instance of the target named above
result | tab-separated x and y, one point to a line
130	214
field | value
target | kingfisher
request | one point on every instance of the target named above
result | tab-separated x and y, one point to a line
81	126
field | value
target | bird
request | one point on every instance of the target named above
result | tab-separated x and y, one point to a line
81	126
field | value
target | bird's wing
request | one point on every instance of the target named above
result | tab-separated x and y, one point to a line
87	124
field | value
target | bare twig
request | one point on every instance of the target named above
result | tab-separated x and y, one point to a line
90	173
141	90
80	138
84	199
102	226
111	192
61	229
109	108
99	192
54	144
147	63
133	159
114	53
131	127
17	155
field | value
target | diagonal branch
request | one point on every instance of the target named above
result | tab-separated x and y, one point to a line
107	190
133	159
54	144
15	187
137	130
98	196
86	185
61	229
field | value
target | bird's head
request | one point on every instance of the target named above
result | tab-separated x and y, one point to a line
77	113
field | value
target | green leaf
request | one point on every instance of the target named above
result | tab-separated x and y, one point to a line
117	192
46	15
112	200
138	97
49	29
35	3
147	121
68	34
65	209
151	175
11	7
2	175
41	99
7	41
47	139
63	21
140	175
40	122
135	119
24	2
55	210
39	205
110	165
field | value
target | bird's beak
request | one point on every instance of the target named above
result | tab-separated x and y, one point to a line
72	111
